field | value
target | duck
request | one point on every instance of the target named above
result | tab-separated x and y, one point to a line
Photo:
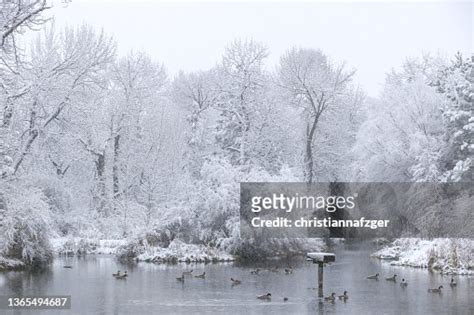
373	277
344	296
285	299
392	278
67	266
403	283
122	276
453	283
266	297
188	273
331	298
116	274
201	276
255	272
181	279
438	290
235	281
288	270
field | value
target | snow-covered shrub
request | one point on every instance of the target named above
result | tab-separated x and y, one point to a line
451	256
202	215
25	224
207	214
131	249
71	246
11	264
213	214
59	200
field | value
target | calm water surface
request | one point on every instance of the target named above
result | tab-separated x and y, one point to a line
153	289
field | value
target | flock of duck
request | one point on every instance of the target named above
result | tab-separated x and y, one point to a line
403	284
235	282
268	296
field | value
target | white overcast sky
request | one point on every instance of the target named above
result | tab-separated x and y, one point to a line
372	37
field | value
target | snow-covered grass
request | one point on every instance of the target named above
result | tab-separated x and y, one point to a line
71	246
178	251
449	256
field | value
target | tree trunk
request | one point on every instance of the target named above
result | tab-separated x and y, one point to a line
7	114
100	167
115	167
3	209
309	163
33	134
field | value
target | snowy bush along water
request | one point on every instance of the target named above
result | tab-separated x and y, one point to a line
449	256
24	226
71	246
93	146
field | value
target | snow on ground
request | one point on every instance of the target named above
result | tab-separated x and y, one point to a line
178	251
10	264
79	246
449	256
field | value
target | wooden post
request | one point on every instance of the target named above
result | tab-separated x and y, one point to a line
320	279
320	259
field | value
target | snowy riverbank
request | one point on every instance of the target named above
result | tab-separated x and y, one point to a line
81	246
178	251
141	250
10	264
228	250
448	256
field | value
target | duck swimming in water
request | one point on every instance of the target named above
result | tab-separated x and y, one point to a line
344	296
403	284
181	279
373	277
392	278
255	272
331	298
438	290
235	281
116	274
122	276
201	276
453	283
188	273
266	297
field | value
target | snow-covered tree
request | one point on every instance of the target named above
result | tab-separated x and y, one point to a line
242	83
402	138
16	18
456	83
197	93
64	67
316	85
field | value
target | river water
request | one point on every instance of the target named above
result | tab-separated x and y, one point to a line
153	289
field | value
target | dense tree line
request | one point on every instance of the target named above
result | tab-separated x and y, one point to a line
97	145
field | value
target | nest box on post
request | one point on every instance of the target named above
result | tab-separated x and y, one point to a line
321	259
